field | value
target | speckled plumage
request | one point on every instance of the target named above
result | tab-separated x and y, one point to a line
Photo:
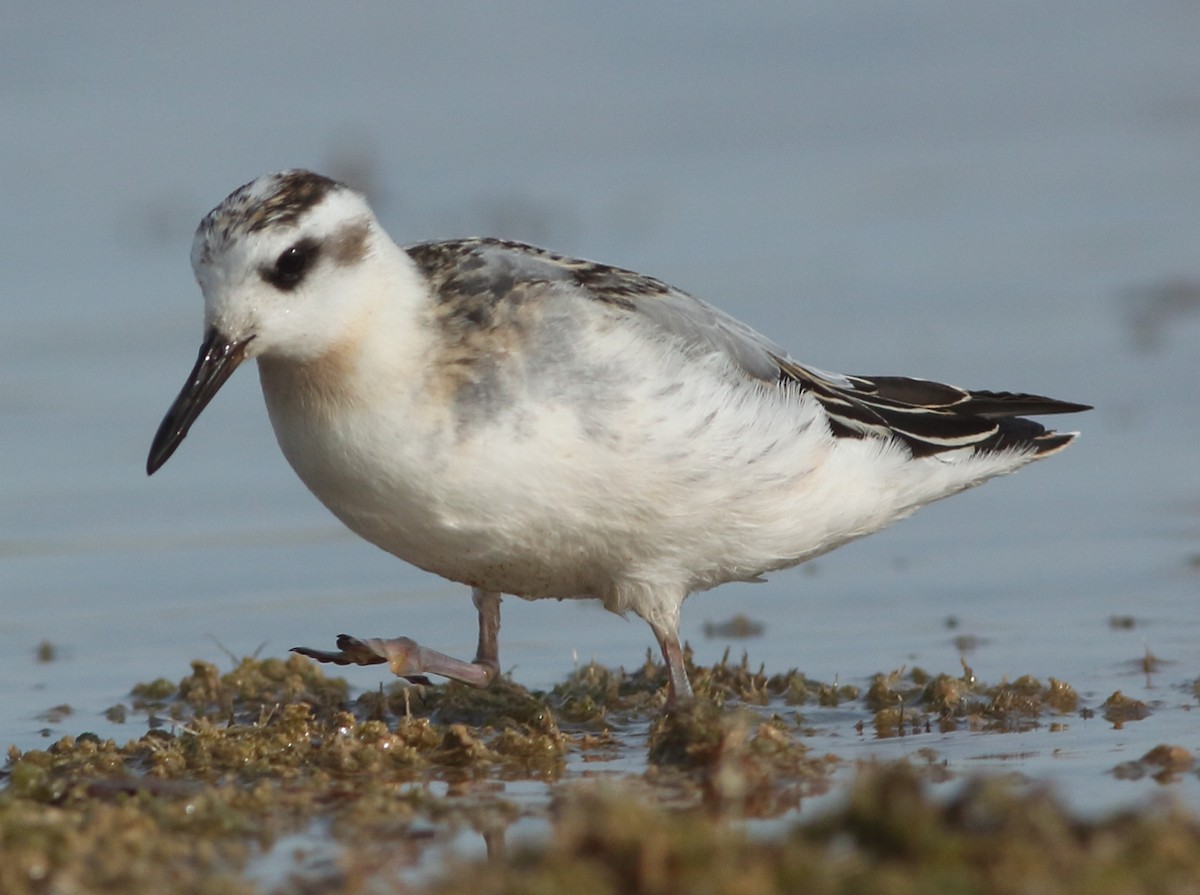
533	424
277	201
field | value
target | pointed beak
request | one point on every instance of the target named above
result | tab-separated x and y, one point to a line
219	357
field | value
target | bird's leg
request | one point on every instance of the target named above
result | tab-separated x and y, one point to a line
487	652
679	689
408	659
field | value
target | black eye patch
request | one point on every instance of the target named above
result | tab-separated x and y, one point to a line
292	265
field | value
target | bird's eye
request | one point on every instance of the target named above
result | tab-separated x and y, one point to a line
291	265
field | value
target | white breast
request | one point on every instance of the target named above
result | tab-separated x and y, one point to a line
592	470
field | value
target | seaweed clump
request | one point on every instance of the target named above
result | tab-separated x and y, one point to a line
889	836
912	702
231	764
234	761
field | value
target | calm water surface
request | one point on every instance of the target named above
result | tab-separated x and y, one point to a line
966	193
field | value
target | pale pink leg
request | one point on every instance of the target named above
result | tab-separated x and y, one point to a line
408	659
679	689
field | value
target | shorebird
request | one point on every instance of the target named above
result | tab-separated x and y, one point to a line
532	424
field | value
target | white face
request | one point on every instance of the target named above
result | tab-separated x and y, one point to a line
280	262
287	263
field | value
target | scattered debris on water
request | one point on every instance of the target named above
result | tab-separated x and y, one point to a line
232	764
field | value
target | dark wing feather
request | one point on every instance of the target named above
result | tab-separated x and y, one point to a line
932	417
923	392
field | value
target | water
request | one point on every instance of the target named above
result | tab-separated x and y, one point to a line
972	193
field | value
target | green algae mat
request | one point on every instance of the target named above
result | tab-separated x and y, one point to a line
272	777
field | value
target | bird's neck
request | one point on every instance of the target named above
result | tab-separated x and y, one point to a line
382	340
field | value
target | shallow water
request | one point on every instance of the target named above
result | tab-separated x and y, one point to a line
965	193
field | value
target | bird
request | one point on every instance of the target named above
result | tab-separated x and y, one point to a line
536	425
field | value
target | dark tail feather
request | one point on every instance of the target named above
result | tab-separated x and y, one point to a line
931	417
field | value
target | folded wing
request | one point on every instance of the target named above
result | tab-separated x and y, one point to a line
478	276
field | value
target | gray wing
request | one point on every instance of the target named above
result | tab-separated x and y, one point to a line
706	328
929	417
479	275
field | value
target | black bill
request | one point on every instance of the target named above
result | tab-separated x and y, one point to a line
218	358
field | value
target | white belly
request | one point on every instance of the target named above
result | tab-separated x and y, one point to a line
677	481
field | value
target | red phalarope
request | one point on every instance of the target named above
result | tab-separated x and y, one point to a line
537	425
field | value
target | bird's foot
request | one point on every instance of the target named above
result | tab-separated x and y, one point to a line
406	658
